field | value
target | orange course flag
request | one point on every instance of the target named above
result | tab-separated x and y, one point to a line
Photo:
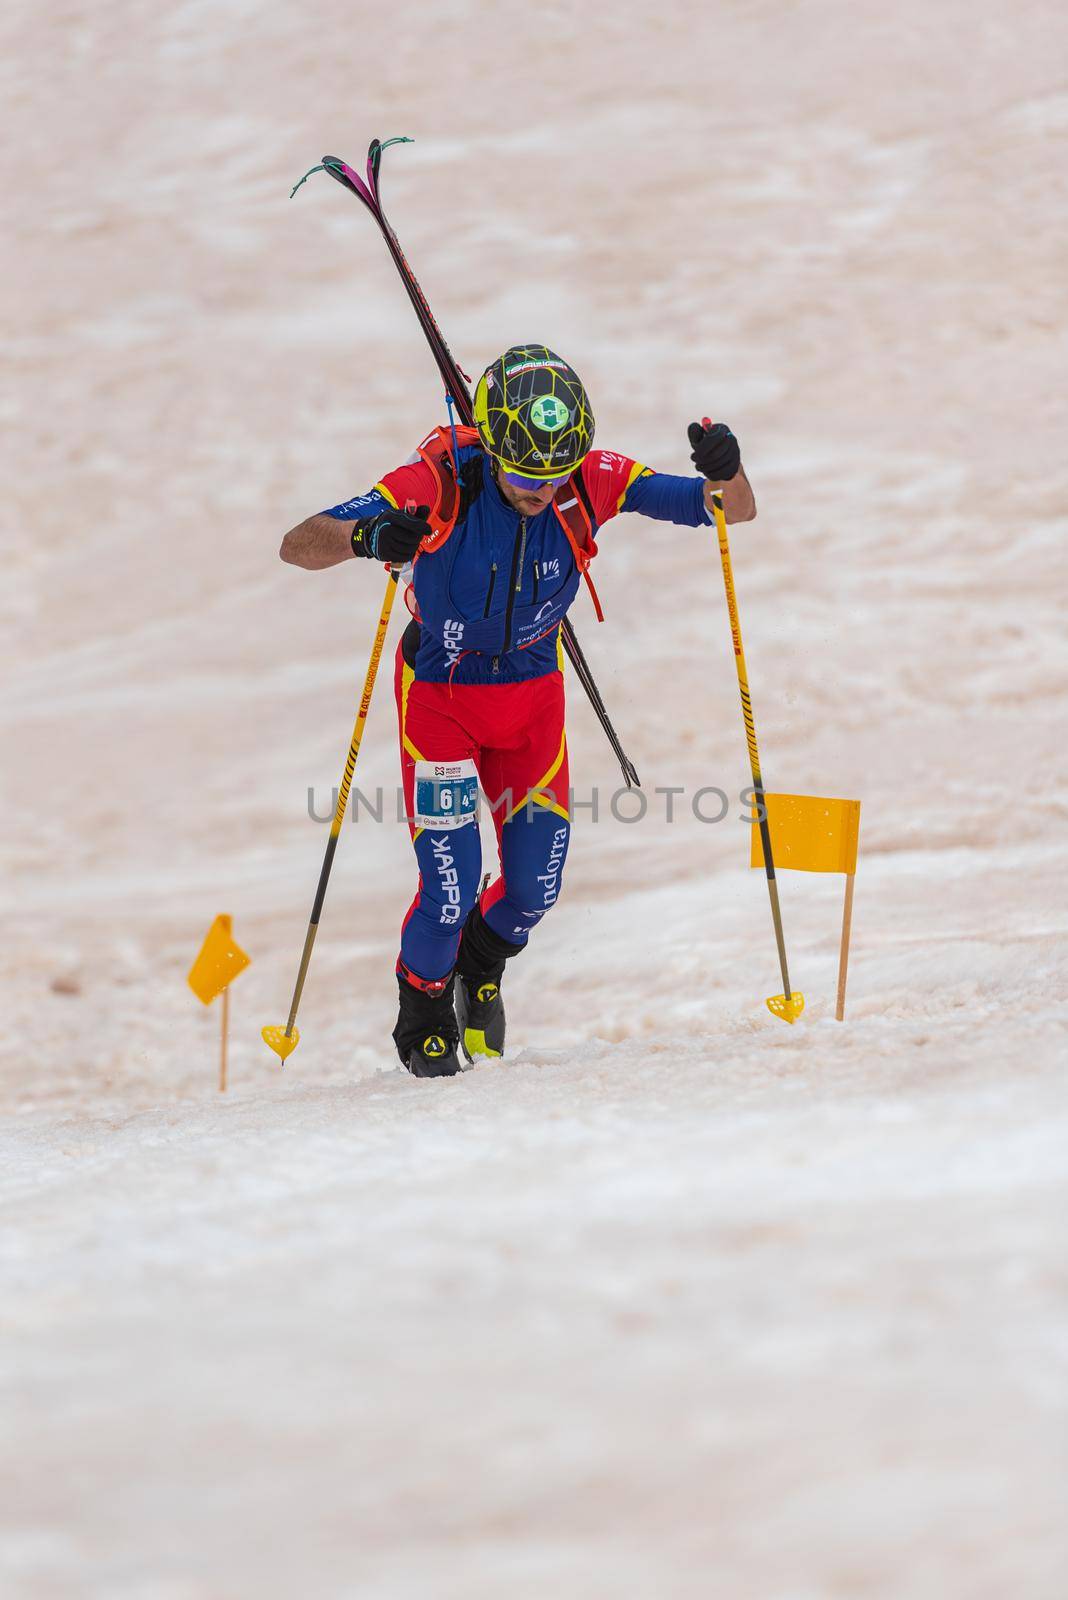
219	962
809	834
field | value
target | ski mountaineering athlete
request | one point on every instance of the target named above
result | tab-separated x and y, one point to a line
495	527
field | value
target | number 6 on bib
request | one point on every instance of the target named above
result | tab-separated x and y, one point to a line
446	794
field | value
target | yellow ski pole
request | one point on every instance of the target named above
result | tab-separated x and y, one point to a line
790	1004
283	1041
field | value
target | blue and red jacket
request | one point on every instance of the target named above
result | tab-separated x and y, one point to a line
490	600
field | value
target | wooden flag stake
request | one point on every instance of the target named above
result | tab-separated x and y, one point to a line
216	966
843	954
225	1032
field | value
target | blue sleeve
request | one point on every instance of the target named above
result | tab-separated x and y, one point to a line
668	499
364	505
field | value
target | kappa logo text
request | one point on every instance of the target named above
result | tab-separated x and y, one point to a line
452	638
449	879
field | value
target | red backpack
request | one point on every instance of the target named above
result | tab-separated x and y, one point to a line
571	503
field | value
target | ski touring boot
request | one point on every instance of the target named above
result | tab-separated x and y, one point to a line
480	1013
479	969
426	1034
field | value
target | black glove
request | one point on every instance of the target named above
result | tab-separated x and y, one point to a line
392	536
715	450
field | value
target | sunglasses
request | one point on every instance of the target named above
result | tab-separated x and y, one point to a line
517	480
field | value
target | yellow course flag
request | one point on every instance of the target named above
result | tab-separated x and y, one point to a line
809	834
220	960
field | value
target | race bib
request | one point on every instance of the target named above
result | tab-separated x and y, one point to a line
446	794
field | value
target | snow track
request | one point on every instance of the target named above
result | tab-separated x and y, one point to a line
607	1322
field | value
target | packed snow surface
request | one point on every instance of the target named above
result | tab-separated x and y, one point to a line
678	1301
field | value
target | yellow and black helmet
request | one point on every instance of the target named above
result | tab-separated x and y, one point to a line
532	412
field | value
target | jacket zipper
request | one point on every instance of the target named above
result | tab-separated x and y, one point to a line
515	583
489	591
537	575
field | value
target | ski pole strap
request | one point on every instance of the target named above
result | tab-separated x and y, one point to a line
452	429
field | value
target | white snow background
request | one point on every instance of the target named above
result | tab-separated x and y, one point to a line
679	1301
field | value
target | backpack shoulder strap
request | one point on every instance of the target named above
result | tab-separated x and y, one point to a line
436	451
574	511
584	496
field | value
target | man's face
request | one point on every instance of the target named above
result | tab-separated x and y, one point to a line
527	501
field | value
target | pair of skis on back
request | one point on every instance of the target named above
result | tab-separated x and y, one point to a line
366	190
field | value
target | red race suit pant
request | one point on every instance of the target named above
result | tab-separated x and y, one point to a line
514	735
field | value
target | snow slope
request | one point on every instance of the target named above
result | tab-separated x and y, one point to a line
679	1301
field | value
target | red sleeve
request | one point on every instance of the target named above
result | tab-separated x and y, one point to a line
607	477
412	485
